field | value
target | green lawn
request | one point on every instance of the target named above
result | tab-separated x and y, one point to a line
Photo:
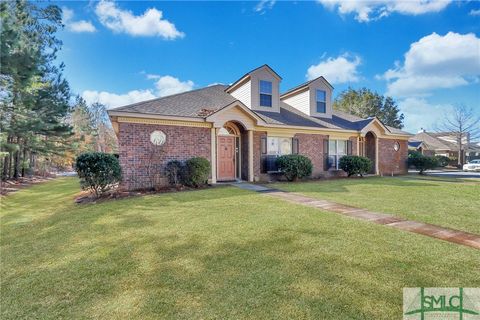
450	203
220	253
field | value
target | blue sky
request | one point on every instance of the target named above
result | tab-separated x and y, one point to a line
426	54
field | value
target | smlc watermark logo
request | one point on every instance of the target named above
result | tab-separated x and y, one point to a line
441	303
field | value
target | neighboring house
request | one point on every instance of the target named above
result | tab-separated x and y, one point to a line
438	143
473	152
243	127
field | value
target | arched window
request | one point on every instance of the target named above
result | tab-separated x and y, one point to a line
229	129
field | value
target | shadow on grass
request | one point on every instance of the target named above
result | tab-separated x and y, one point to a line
341	185
438	179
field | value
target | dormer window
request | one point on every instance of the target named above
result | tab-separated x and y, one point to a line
321	99
265	93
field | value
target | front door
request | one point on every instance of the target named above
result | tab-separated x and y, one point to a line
226	158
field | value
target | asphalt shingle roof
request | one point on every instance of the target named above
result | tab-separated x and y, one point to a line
432	142
195	103
288	115
305	84
202	102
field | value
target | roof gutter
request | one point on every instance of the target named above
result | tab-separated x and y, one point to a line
113	113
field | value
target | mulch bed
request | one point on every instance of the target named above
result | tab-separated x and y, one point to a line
10	186
86	197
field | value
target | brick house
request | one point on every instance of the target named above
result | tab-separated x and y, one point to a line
442	144
243	127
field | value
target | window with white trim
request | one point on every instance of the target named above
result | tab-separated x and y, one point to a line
265	93
279	146
274	147
336	150
321	100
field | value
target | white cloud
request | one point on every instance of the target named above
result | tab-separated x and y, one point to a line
435	62
421	86
367	10
341	69
76	26
419	113
264	5
474	12
124	21
67	14
167	85
113	100
164	86
82	26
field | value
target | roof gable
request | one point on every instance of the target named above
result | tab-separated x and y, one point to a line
305	85
246	76
235	111
376	126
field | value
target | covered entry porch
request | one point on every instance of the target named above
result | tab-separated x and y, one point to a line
232	143
234	152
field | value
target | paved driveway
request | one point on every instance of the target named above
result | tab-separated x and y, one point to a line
451	174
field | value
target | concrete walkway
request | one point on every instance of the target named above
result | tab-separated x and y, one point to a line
434	231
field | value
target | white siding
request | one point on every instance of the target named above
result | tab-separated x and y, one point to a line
305	101
244	93
300	102
265	74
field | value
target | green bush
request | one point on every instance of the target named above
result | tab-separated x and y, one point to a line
353	165
98	171
442	161
294	166
197	170
174	170
421	162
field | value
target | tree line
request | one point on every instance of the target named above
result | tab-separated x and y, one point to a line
41	125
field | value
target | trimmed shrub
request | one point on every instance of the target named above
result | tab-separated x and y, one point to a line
421	162
197	170
353	165
174	170
442	161
294	166
98	171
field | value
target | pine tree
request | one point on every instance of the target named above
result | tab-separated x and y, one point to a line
34	99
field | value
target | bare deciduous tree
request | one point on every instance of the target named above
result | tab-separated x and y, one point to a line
463	125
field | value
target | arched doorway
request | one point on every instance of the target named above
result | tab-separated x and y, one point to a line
371	150
228	152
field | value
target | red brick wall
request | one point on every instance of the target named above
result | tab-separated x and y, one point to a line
391	161
257	153
138	155
311	146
